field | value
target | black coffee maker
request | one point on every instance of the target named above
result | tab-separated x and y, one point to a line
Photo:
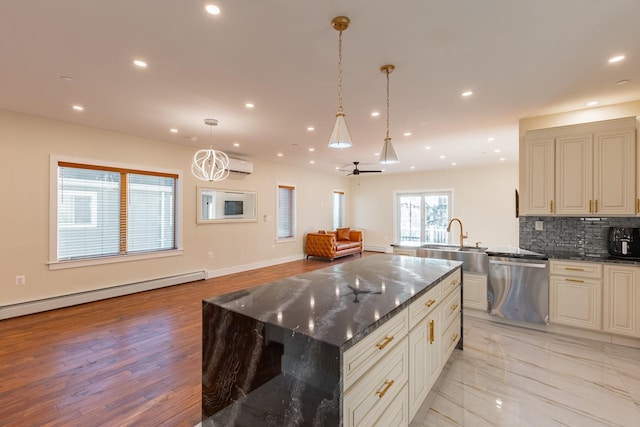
624	242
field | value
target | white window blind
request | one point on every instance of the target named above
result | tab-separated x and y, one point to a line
338	209
105	211
286	212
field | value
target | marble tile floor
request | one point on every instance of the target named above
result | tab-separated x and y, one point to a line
512	376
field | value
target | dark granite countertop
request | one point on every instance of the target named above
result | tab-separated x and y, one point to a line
341	303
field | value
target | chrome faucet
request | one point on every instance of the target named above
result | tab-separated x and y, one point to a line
462	235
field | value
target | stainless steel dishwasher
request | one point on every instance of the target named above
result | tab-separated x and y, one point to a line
519	289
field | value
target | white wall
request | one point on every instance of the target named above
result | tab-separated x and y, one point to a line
483	198
26	143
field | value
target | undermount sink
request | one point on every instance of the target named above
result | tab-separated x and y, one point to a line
474	259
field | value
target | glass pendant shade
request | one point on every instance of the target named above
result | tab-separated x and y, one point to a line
388	154
340	137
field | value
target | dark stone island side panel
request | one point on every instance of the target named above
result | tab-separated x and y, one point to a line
257	371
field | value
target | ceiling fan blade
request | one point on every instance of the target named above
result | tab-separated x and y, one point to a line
369	171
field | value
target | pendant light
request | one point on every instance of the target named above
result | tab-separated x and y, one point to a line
340	137
388	154
210	165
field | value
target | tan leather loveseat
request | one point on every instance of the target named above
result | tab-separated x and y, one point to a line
334	244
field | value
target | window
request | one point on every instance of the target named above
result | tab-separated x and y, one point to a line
423	217
286	212
338	209
103	211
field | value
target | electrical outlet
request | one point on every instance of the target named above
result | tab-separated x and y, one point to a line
539	225
210	254
21	279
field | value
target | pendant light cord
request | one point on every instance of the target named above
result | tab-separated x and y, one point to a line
388	109
340	72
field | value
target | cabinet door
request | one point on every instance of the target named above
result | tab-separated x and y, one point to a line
424	359
613	172
622	300
475	291
575	302
574	175
539	179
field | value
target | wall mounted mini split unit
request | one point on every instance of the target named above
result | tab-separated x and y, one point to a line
240	166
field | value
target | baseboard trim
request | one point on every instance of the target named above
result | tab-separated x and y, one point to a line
376	248
252	266
32	307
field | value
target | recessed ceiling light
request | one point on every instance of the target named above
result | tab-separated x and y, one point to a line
236	144
442	157
310	129
467	93
140	63
337	168
591	103
502	159
407	134
67	79
212	9
497	150
280	154
313	162
78	107
249	105
453	163
376	154
622	82
490	139
312	149
615	59
375	114
412	167
173	130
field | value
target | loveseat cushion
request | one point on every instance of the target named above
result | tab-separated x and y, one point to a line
342	233
346	244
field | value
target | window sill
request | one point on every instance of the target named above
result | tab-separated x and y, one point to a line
60	265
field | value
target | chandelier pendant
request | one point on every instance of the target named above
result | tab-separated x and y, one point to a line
210	165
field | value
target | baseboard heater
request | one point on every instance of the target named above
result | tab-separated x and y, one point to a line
31	307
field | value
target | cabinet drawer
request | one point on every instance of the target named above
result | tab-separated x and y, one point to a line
591	270
362	356
450	338
397	413
424	305
451	283
450	308
370	397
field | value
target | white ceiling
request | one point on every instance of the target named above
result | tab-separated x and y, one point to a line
520	58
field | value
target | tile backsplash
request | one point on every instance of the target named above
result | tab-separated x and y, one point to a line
579	236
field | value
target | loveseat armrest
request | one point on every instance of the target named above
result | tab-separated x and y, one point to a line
355	235
320	245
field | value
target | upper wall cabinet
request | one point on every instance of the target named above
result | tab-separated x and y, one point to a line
580	170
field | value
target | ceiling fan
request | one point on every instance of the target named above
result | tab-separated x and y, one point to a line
357	171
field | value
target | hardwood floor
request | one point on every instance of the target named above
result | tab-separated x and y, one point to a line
132	360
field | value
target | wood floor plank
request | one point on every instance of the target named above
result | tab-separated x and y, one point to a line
132	360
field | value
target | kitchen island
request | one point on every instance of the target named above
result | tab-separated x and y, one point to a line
290	352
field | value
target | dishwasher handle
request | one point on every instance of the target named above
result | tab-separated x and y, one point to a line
519	264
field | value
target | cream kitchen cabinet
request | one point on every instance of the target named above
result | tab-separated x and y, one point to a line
595	173
575	294
475	291
432	338
621	302
538	194
388	374
586	170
